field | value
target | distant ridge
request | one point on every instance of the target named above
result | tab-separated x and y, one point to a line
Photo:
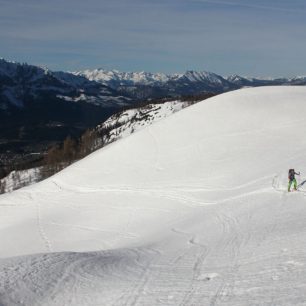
213	81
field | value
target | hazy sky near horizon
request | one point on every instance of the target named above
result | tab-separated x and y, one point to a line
262	38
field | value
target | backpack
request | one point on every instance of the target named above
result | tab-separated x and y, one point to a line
291	174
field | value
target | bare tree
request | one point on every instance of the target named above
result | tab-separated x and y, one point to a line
69	150
88	143
2	186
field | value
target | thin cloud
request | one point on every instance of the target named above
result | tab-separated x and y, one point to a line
253	6
226	36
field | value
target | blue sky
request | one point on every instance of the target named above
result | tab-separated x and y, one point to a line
255	38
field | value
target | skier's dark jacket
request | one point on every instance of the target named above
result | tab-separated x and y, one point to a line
291	174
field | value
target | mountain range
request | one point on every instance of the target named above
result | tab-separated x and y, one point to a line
39	106
21	84
190	82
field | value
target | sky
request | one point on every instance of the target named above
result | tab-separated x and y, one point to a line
246	37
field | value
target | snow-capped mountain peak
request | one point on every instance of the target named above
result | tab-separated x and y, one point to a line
109	77
203	76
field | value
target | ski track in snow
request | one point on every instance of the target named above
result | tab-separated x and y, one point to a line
41	229
191	228
146	271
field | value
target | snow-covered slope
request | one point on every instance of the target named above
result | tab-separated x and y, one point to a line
192	210
117	126
127	122
19	178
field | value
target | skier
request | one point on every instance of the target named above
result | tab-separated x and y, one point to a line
291	177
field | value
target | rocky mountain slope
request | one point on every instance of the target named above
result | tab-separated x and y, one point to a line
22	83
159	84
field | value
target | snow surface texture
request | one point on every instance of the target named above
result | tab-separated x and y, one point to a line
192	210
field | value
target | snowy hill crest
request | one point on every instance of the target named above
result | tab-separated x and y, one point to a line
184	212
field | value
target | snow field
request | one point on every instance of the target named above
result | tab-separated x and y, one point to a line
192	210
